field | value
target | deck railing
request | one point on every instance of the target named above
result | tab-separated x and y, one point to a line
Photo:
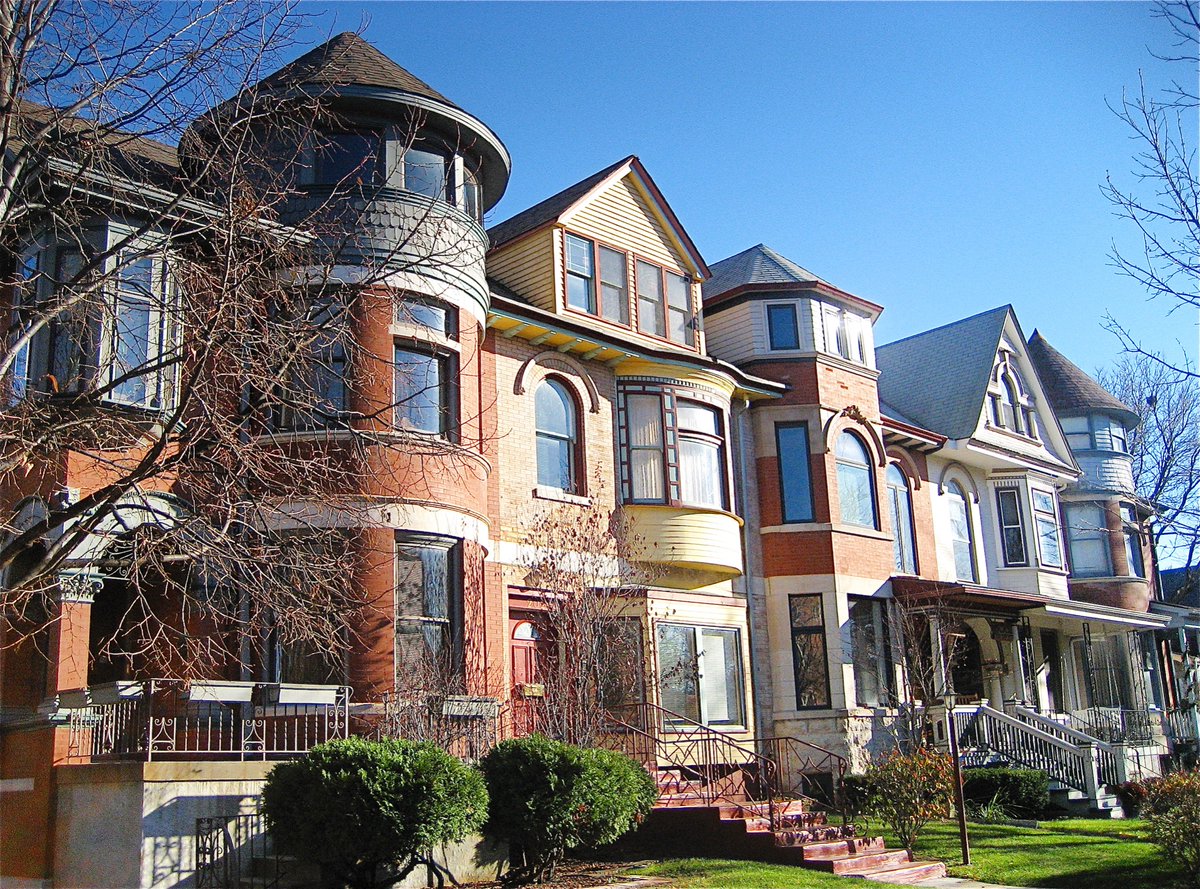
169	718
980	726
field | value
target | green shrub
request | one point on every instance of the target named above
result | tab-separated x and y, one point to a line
367	810
1019	792
908	790
548	797
1172	810
854	796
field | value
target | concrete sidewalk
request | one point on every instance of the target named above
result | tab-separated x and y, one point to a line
961	883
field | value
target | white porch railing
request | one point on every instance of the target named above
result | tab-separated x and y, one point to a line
1182	725
1109	759
167	718
981	726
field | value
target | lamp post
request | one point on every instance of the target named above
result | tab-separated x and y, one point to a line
952	734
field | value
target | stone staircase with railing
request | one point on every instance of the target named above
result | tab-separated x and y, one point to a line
719	797
1083	769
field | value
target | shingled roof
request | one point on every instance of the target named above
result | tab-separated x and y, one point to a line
549	209
939	378
1069	389
348	60
758	265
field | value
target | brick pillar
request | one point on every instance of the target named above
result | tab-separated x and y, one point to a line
69	635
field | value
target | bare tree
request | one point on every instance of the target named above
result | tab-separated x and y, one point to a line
925	628
590	575
1163	204
176	337
1165	448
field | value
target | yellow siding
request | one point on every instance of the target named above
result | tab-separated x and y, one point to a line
621	217
527	267
708	542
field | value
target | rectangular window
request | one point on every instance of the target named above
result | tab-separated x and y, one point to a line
580	275
1087	538
25	295
1046	518
1012	530
679	309
424	398
318	397
1133	541
809	660
795	479
428	606
644	421
782	329
425	172
614	286
701	456
1078	432
71	341
134	342
700	673
871	655
650	299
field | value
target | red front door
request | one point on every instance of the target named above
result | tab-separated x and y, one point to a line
528	653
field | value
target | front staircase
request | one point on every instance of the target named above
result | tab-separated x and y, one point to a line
719	797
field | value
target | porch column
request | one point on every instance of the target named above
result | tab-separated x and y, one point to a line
940	679
1020	692
69	634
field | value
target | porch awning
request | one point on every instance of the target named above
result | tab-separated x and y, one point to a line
1177	615
1104	614
964	595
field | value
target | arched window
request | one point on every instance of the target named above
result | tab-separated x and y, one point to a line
1011	404
856	495
900	503
557	437
960	533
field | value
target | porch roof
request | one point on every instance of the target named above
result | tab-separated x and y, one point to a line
990	599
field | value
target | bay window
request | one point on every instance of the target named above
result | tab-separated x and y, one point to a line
672	448
428	605
870	645
1131	528
700	673
318	398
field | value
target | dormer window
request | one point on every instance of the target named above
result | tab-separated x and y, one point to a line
845	334
597	282
1009	400
782	329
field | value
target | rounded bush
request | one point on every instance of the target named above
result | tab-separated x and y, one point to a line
546	797
1172	810
1019	792
358	807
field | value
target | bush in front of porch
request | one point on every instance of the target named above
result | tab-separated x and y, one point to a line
1172	811
368	812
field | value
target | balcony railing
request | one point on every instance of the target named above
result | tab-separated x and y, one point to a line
177	719
1182	725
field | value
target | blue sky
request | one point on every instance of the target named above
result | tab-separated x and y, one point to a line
936	158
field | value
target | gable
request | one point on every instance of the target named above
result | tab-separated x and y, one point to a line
621	214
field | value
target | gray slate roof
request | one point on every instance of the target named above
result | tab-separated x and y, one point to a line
1070	390
758	265
549	209
348	60
939	378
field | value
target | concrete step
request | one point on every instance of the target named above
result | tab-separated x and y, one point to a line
783	808
825	833
912	872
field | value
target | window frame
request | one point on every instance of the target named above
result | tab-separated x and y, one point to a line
1078	535
597	305
1012	559
867	468
786	517
955	491
910	567
447	409
375	165
817	631
715	441
448	329
770	310
1131	531
883	655
333	364
453	624
735	684
1043	518
573	440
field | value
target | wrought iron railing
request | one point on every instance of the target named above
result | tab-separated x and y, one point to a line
233	851
168	718
804	769
1114	725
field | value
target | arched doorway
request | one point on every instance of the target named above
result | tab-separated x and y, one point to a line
529	651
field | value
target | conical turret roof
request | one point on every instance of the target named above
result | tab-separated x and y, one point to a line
1070	390
348	60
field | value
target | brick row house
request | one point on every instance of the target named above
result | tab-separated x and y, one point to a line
822	516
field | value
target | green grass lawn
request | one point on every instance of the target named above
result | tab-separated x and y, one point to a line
1074	854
